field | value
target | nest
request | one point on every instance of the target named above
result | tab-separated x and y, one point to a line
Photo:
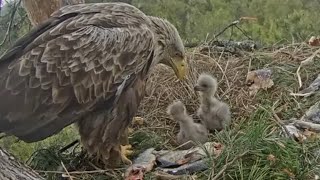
230	70
163	88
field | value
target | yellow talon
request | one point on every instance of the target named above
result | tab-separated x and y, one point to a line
126	151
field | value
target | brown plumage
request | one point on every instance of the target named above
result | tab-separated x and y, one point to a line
213	113
88	64
189	130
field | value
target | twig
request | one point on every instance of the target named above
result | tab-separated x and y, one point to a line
307	125
68	146
224	168
234	24
224	29
279	121
74	172
212	171
231	33
306	62
192	44
64	167
243	32
97	168
301	94
310	59
299	77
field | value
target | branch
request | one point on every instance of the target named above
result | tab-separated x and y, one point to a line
307	125
279	121
235	24
191	45
11	168
13	13
69	146
227	27
243	32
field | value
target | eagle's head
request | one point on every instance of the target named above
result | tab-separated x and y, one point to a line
170	49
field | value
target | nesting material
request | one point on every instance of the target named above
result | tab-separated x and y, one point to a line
259	79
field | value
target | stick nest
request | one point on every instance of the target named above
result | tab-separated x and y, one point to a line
230	69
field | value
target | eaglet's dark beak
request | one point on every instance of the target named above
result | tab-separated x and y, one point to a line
197	88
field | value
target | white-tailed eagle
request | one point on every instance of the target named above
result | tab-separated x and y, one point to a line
87	64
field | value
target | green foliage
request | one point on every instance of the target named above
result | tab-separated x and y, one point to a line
253	136
195	19
277	20
142	140
19	24
24	150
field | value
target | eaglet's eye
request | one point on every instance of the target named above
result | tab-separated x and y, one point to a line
178	54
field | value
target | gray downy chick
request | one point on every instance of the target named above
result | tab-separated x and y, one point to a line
214	114
189	130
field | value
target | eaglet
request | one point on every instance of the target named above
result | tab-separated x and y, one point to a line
214	114
190	133
87	64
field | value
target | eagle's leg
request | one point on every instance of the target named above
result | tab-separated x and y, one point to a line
126	151
125	147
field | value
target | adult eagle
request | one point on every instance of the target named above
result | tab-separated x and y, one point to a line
87	64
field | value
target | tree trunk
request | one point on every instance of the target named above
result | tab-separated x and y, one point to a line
11	169
40	10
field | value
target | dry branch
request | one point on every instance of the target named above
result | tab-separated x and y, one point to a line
10	168
307	125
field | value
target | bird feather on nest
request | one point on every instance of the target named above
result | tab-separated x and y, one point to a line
87	64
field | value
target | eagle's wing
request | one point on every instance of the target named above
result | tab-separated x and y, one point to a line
70	65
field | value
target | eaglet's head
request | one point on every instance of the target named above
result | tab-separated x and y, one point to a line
171	49
206	84
176	109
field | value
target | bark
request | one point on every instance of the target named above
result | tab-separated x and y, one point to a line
40	10
11	169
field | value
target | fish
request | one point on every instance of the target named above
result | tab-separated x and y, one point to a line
173	159
144	163
189	168
177	162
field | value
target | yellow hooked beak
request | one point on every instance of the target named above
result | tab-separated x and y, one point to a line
179	66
